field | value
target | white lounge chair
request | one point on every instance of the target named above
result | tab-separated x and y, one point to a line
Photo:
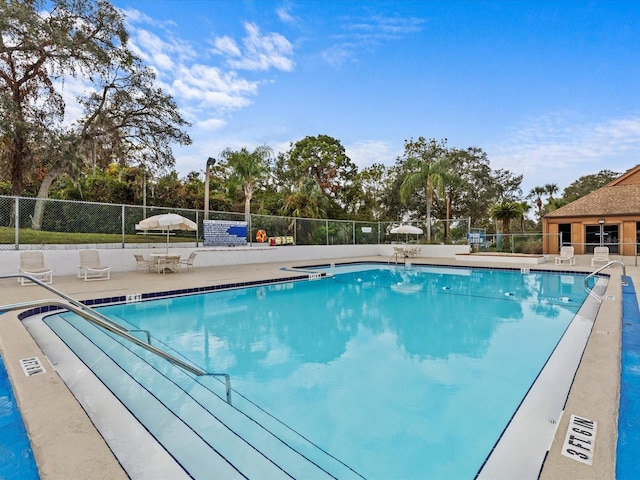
90	267
600	255
566	255
32	263
144	264
188	262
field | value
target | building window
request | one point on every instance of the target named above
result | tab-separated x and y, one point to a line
564	239
605	235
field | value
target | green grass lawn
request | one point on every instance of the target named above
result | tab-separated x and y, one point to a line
29	236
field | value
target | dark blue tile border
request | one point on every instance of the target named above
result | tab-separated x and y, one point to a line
437	265
95	302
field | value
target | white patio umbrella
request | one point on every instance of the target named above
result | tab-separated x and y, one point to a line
166	222
407	229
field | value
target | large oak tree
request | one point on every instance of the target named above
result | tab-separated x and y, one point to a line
126	118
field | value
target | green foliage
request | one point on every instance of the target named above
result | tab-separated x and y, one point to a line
324	160
587	184
71	38
529	247
372	181
306	201
126	117
504	212
248	170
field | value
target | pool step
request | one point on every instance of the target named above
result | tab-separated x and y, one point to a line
190	416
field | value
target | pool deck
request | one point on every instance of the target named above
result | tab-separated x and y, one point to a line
67	445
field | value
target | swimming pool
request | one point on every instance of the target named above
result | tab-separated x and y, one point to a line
376	372
15	450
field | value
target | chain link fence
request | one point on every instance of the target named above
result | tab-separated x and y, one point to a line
525	243
49	223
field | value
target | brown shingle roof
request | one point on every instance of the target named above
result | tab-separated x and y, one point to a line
608	200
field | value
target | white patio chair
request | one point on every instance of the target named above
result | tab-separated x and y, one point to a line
144	264
566	255
170	262
90	267
412	251
32	263
188	262
600	255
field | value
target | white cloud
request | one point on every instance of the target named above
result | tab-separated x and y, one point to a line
366	33
367	152
258	52
203	89
560	148
70	89
227	46
210	124
384	28
285	15
338	54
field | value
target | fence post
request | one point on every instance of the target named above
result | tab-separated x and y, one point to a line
197	229
326	228
17	223
122	226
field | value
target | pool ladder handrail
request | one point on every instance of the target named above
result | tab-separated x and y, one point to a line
597	271
100	320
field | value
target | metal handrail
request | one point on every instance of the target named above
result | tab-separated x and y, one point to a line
100	320
597	271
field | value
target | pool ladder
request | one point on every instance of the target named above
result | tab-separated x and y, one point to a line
100	320
595	272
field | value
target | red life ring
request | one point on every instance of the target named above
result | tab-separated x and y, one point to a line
261	236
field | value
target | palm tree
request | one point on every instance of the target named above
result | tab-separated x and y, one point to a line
524	209
551	189
248	168
505	212
450	183
307	201
427	174
537	193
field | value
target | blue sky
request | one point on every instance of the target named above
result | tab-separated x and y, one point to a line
549	89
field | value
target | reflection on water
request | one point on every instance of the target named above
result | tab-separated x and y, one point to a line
401	373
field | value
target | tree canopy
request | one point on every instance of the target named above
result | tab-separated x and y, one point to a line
587	184
323	159
120	149
126	117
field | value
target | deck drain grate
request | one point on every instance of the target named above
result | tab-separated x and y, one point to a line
32	366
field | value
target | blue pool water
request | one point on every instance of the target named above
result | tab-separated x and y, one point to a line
398	372
16	457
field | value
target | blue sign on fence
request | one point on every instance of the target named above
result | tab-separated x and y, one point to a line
224	233
475	237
